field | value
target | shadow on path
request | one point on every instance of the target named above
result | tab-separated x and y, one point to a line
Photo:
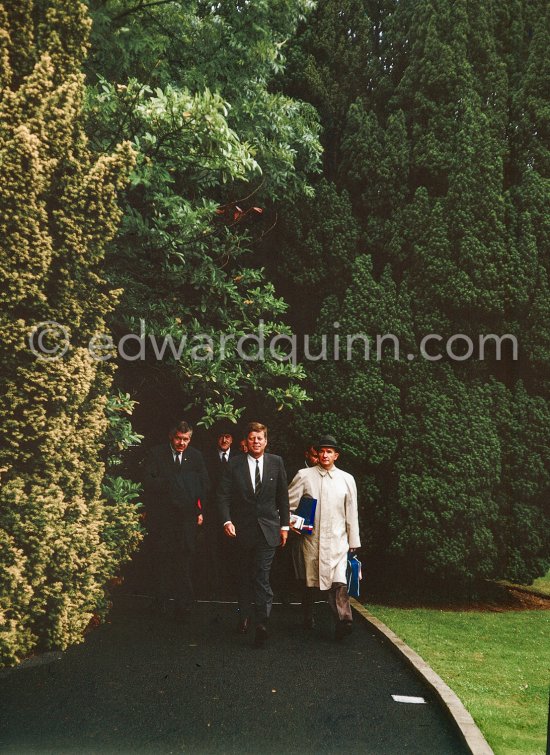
144	683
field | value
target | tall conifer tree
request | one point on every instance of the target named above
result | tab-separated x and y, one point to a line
60	539
443	155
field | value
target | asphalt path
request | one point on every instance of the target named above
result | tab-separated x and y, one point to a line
143	683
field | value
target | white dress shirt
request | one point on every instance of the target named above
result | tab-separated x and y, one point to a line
252	468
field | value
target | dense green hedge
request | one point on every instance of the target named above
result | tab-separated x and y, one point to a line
435	128
61	536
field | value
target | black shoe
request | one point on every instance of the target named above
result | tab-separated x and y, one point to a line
243	626
343	629
261	635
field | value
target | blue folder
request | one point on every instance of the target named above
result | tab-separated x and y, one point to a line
306	509
353	575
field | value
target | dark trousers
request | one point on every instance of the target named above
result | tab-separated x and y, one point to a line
171	554
283	578
254	565
206	567
338	600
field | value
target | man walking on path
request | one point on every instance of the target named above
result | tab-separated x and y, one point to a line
335	533
176	481
253	502
217	557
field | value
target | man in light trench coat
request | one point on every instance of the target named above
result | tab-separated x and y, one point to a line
335	532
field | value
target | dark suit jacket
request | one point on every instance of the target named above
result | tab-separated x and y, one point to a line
173	493
215	468
238	503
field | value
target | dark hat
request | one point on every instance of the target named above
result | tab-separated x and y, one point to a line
224	428
327	441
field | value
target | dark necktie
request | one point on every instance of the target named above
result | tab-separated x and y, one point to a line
224	456
257	479
177	460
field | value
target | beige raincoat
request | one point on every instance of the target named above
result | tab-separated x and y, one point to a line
336	527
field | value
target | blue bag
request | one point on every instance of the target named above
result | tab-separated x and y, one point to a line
353	575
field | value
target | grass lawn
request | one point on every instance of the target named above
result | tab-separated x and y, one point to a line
496	662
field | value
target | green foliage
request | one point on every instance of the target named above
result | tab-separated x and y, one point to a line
59	210
332	64
448	468
314	249
188	84
435	129
524	427
121	532
120	434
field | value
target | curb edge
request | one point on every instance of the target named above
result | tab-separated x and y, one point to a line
469	730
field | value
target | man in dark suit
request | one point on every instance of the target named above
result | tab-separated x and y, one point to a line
176	481
216	562
219	455
253	502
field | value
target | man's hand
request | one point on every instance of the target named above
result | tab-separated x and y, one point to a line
229	529
284	535
200	519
